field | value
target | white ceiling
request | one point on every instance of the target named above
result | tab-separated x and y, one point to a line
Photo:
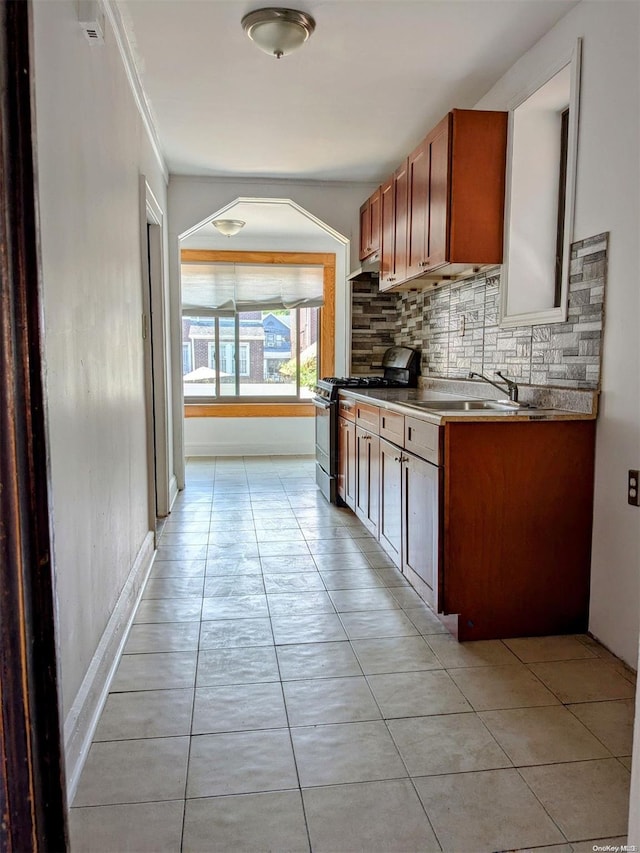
349	105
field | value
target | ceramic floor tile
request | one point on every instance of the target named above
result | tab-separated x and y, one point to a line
325	532
241	550
406	597
542	736
163	637
451	743
379	561
391	578
182	552
177	568
130	828
351	579
329	700
340	562
394	654
610	722
283	549
378	598
317	660
479	653
417	694
535	649
587	799
224	538
300	603
189	587
625	760
379	623
496	687
235	607
425	621
157	671
238	707
228	633
146	713
175	538
281	564
252	823
333	546
232	566
500	812
223	585
583	680
368	817
293	582
273	534
602	843
236	666
134	771
317	628
244	762
168	610
346	752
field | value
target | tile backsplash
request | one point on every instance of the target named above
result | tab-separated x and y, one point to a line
456	327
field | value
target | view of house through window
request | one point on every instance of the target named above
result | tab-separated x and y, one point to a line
270	351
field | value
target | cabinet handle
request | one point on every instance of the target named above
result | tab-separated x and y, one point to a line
366	438
409	429
391	278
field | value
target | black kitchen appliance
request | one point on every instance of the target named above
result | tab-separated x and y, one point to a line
401	367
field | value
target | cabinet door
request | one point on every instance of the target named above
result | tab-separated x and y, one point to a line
367	479
388	251
390	526
420	545
365	229
375	220
346	462
417	209
437	248
401	187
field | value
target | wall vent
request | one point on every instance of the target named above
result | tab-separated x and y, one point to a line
91	18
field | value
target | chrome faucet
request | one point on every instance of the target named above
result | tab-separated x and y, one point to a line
512	387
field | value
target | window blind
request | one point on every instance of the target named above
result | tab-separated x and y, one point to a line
219	289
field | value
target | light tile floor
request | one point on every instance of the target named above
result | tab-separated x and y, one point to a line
282	688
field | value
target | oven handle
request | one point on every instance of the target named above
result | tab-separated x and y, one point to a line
319	403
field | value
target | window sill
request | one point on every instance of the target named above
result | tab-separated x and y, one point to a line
249	410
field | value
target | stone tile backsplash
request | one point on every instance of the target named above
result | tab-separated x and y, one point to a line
457	327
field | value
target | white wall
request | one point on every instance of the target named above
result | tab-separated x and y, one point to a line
91	147
607	199
191	200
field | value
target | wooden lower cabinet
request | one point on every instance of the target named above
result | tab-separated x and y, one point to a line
410	517
347	462
421	489
367	479
390	527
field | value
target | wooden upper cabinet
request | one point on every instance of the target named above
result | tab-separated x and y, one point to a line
449	201
370	225
393	264
388	233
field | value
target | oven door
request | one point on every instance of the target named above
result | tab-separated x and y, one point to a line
326	447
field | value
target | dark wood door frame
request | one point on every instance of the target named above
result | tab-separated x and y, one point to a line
32	786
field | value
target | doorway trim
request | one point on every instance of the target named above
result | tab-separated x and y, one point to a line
32	775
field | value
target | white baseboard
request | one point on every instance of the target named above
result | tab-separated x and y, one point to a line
82	719
301	448
173	491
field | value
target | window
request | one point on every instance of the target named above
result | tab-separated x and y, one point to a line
187	358
255	328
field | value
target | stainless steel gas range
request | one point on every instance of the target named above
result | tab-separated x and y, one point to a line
401	367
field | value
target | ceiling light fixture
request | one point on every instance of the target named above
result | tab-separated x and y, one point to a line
228	227
278	31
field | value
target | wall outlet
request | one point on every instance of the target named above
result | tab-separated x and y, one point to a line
633	490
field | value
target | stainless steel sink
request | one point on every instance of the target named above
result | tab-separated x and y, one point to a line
465	405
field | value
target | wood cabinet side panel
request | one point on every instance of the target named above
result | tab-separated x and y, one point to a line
387	248
517	525
478	157
375	220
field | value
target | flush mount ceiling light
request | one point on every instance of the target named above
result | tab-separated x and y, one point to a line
228	227
278	31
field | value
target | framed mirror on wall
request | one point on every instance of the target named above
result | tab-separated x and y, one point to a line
539	211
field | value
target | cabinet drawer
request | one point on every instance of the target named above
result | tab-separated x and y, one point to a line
422	438
368	417
347	409
392	427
